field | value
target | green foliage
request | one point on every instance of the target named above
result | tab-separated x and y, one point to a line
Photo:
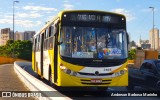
131	54
19	49
9	42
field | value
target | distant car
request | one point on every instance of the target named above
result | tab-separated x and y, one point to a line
147	76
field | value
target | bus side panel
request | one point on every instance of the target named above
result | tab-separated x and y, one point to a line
51	65
37	62
46	63
33	54
33	60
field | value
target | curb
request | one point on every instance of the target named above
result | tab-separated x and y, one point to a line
34	84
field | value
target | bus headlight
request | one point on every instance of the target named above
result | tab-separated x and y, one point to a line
63	67
121	72
67	71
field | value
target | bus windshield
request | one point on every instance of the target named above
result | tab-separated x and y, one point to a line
96	43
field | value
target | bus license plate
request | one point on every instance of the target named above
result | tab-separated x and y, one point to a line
96	81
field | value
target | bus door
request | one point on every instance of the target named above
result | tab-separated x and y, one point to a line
41	53
56	30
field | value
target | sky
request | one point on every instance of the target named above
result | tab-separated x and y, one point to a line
32	14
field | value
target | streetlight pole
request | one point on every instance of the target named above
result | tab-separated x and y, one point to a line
13	23
153	29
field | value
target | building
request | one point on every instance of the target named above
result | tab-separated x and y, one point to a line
19	35
6	34
154	38
144	44
28	35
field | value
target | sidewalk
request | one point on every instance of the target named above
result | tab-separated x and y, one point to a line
9	81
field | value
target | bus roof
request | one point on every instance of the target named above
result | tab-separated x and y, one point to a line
64	11
60	13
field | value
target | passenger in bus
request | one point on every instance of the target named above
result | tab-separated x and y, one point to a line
112	41
102	42
92	46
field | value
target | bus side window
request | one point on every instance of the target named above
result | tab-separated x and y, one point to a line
44	42
33	46
45	47
39	45
47	34
50	40
51	28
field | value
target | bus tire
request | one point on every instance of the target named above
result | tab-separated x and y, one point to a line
38	76
50	77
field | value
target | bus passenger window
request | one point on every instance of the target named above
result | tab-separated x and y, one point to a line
37	43
51	28
46	33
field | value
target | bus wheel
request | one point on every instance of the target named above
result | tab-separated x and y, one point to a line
38	76
50	79
104	89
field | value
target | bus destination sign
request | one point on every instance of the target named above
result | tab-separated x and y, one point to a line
93	18
85	17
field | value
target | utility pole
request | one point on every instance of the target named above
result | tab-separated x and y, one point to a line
153	40
13	25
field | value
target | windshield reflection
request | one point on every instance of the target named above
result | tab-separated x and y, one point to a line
88	42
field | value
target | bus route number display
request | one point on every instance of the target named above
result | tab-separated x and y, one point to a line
98	18
94	18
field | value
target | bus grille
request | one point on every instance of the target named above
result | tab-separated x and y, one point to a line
93	74
88	82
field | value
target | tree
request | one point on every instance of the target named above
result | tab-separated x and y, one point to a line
3	51
22	49
131	54
9	42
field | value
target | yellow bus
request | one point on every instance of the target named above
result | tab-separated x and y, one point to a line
81	48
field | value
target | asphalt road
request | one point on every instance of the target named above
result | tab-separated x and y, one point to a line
9	81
